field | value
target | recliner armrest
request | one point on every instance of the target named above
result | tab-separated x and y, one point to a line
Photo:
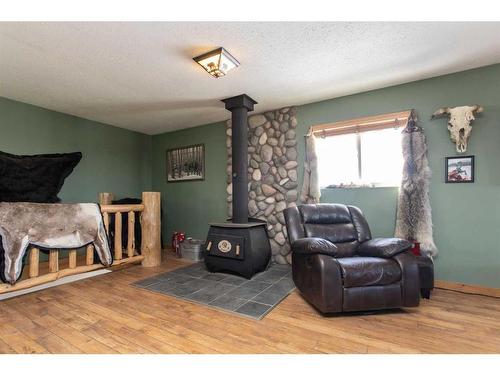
410	278
314	245
383	247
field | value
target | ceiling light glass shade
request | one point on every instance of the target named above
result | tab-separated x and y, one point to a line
217	62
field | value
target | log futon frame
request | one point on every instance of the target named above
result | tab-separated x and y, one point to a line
150	255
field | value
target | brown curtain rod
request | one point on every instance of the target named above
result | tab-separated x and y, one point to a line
363	124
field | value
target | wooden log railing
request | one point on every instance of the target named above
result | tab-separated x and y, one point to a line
117	211
150	248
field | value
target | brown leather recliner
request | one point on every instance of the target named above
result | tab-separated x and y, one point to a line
337	266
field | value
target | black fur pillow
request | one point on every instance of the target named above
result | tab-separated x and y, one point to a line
35	178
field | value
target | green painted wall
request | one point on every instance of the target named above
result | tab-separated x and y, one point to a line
114	159
190	206
466	216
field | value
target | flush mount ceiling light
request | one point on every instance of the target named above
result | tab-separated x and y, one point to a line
217	62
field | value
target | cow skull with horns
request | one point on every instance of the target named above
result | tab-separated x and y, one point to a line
459	123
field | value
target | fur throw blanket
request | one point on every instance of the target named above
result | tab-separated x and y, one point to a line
414	217
50	226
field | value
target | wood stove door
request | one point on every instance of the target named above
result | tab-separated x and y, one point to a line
226	246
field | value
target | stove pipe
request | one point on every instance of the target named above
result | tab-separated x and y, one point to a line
239	106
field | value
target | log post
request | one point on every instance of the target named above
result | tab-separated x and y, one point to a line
105	219
90	255
151	229
34	261
53	261
105	198
72	259
131	234
118	236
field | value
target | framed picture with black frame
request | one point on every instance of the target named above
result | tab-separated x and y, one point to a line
186	163
459	169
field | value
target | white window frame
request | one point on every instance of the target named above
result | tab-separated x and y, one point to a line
397	120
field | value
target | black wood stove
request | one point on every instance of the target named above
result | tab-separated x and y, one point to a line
239	245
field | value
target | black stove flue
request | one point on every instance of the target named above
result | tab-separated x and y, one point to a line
240	245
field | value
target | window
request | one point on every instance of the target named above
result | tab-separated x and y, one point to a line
361	152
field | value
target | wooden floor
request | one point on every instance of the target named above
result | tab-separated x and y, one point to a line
106	315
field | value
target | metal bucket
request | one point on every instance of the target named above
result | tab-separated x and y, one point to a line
191	249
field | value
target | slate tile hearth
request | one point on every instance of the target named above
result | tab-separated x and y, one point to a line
252	298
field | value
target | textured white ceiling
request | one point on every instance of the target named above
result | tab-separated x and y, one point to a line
141	76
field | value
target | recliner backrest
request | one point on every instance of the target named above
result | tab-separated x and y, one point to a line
343	225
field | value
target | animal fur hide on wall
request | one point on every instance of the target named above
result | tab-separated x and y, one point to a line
50	226
311	192
414	217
